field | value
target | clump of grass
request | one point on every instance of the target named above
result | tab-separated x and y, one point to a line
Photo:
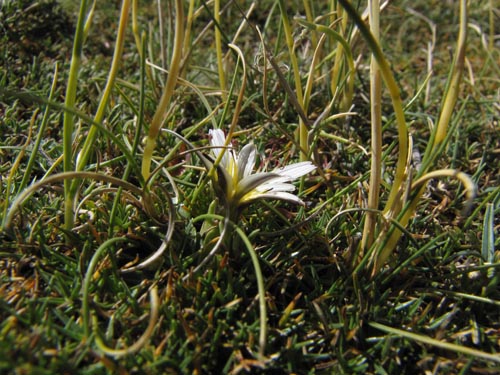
136	257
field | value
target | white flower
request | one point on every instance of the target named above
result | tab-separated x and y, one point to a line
237	183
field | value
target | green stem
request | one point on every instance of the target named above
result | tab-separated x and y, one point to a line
159	116
68	121
89	145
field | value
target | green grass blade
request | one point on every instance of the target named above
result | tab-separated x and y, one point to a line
440	344
488	240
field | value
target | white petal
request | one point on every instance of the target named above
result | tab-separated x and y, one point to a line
218	139
246	161
272	195
253	183
294	171
275	186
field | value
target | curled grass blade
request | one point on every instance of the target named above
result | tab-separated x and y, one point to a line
154	301
64	176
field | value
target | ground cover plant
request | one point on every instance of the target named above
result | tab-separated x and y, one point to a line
249	187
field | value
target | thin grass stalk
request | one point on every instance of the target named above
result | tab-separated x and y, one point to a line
68	118
161	28
346	53
309	17
218	50
16	164
187	37
453	85
138	131
376	133
89	145
430	52
488	238
303	131
41	131
338	64
241	93
491	20
140	38
161	110
312	68
242	25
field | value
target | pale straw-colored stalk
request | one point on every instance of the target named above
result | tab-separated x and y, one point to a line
376	133
393	88
218	50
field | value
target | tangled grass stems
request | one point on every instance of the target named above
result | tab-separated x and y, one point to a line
218	48
63	176
27	97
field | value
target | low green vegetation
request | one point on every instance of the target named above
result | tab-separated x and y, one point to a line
234	187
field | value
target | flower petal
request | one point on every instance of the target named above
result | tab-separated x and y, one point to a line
294	171
252	182
275	186
246	161
272	195
218	140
